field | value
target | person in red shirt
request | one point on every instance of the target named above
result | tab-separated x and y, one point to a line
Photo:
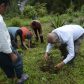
25	33
37	28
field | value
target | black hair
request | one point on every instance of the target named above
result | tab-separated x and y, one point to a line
19	32
33	23
6	2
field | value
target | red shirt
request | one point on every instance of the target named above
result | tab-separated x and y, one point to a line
25	31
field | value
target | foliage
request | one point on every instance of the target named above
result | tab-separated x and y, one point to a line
29	11
79	21
82	9
45	19
76	14
35	11
41	9
53	6
16	22
59	6
56	22
69	74
13	9
70	10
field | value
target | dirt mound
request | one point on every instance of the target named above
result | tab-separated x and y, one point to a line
47	66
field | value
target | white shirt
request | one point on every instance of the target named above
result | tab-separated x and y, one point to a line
67	34
5	43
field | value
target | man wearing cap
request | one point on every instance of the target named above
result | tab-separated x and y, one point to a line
67	38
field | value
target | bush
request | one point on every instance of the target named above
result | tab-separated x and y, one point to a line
79	21
56	22
34	11
70	10
41	9
15	22
45	19
76	14
82	9
29	11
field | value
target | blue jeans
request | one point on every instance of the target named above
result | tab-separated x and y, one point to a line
11	69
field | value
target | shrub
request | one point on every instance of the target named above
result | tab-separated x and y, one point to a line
82	9
56	22
79	21
41	9
15	22
34	11
70	10
45	19
29	11
76	14
69	20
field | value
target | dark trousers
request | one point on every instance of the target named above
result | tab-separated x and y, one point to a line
11	69
38	31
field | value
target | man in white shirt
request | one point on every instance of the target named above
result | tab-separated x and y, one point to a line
10	61
67	38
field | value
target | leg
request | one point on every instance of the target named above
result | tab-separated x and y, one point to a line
41	38
40	34
77	44
29	37
7	65
36	34
19	69
18	65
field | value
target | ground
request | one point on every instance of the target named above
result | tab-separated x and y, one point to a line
70	74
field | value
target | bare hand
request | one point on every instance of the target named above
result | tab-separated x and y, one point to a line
13	57
59	65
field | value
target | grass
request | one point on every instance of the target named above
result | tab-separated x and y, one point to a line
68	75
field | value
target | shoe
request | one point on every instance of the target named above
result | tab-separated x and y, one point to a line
23	78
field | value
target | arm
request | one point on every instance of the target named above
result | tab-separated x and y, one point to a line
48	48
29	43
29	37
70	56
13	57
25	45
70	48
22	39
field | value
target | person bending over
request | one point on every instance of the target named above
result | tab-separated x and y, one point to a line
37	28
67	39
